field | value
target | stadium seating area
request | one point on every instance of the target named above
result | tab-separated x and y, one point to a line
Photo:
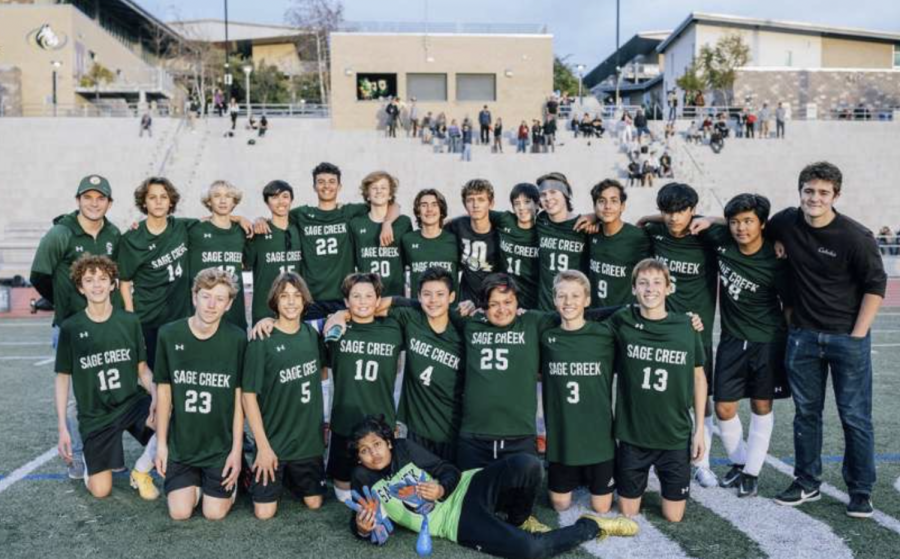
40	175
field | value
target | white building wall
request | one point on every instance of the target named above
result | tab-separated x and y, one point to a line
678	57
768	48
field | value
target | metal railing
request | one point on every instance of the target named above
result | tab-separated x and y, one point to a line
442	27
886	113
101	109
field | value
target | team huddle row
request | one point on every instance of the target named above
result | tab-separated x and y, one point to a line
603	297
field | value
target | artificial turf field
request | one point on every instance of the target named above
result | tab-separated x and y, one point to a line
45	515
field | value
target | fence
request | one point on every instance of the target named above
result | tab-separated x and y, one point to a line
164	109
805	112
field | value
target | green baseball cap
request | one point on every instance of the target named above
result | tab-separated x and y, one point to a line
94	182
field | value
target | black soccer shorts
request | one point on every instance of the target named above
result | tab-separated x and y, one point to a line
750	370
599	478
103	448
303	478
673	467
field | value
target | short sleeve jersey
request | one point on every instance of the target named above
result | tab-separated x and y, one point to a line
269	255
204	376
479	256
577	375
656	360
692	267
562	248
327	247
430	402
214	247
502	363
519	248
420	253
158	267
750	286
612	259
364	368
285	373
372	257
63	244
102	358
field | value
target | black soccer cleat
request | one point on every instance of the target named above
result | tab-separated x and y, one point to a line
860	506
748	486
796	495
733	477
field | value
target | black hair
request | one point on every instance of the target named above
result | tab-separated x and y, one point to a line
749	203
370	424
503	282
436	273
598	189
353	279
525	189
822	171
276	187
325	168
676	197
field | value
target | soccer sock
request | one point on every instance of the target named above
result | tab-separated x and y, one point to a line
707	438
758	441
732	433
342	495
145	463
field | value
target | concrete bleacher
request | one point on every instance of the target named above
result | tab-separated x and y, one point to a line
43	159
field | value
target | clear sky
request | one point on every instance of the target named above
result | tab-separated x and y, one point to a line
584	30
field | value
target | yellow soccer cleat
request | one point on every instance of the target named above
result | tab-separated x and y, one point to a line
618	526
143	482
534	526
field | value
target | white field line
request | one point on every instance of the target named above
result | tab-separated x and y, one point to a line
779	531
888	522
650	543
24	324
17	344
46	361
885	345
23	471
897	484
23	357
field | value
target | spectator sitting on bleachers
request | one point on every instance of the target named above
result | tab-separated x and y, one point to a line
597	125
694	133
887	242
634	172
587	129
665	166
648	169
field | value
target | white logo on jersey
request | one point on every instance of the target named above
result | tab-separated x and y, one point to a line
685	489
639	325
109	248
84	335
362	231
551	340
79	249
827	252
721	250
207	235
612	482
416	246
151	247
279	349
269	237
179	347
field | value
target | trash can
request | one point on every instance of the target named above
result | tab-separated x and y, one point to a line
5	299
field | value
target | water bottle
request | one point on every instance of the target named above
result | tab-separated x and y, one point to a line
423	544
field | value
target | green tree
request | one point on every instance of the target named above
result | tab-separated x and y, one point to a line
564	79
691	82
268	84
719	64
96	75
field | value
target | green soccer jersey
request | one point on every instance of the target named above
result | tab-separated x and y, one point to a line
430	402
692	267
577	374
63	244
285	373
519	249
751	286
157	266
612	259
387	261
656	360
327	247
561	248
420	253
268	256
214	247
102	358
364	369
502	363
204	376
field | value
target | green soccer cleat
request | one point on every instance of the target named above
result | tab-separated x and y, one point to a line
620	526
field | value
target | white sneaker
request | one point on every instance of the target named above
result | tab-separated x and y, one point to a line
706	477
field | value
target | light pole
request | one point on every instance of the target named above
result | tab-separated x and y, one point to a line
56	64
247	70
580	69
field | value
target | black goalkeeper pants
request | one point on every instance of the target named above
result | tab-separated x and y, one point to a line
499	499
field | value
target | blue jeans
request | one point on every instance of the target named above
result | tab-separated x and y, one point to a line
521	145
809	357
467	152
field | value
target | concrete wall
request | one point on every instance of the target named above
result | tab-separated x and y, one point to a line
10	91
829	89
845	53
527	58
82	36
